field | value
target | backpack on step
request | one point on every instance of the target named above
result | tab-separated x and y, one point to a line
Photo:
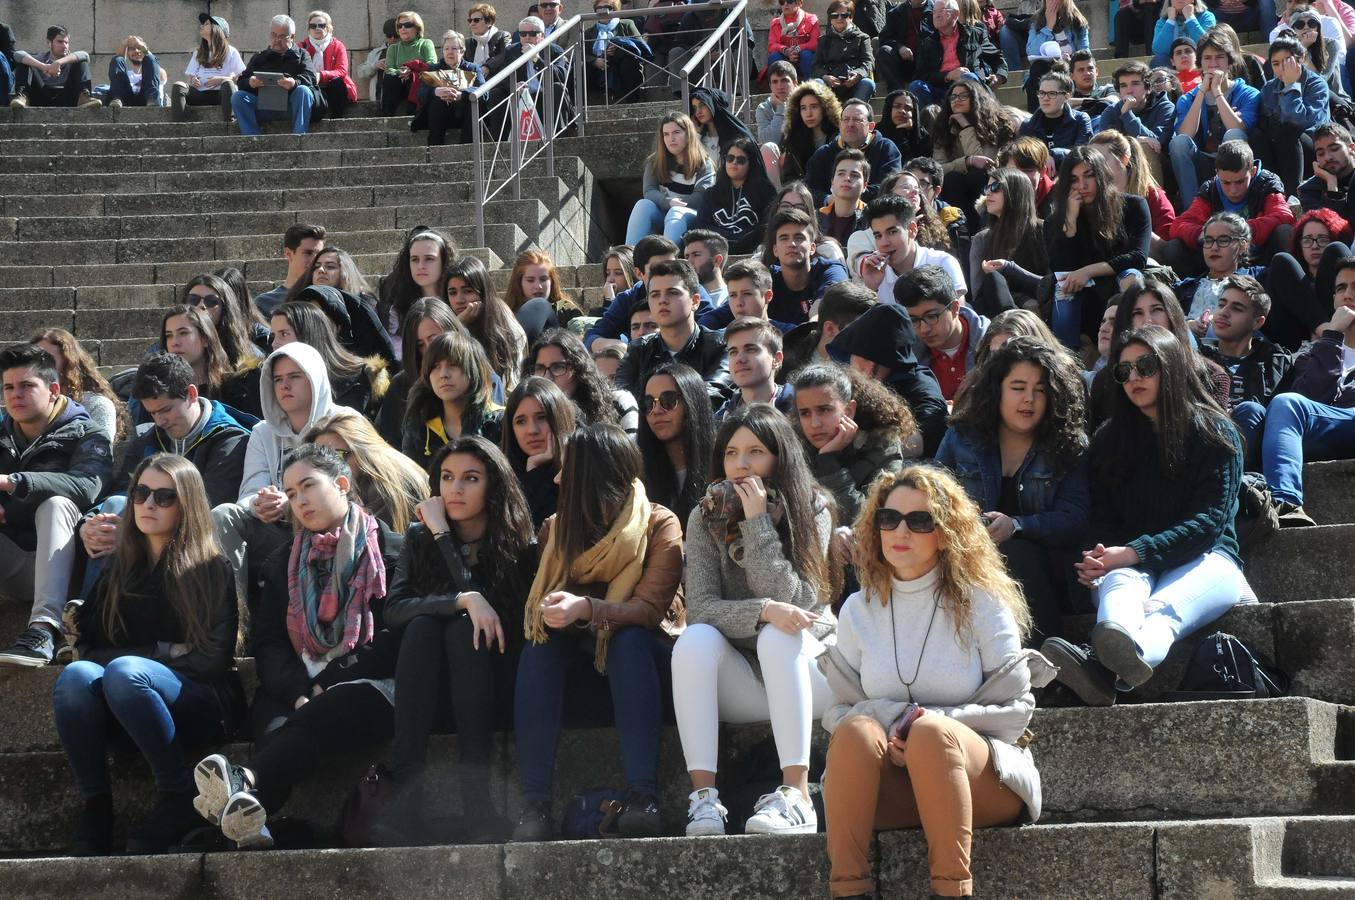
1224	668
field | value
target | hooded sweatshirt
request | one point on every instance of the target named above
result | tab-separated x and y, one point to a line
272	438
216	445
884	335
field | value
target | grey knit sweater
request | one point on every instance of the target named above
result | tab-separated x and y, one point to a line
730	595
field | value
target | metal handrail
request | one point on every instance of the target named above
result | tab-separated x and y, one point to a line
720	33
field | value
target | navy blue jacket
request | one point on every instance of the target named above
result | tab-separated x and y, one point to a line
615	321
1155	120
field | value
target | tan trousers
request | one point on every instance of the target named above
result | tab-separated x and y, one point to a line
948	787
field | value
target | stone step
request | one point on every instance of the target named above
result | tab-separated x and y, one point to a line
214	160
14	146
1302	564
84	124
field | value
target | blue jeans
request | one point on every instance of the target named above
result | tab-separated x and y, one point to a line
1191	165
1158	608
544	673
120	85
1297	429
805	64
646	218
299	103
1065	316
6	79
1249	417
864	90
1013	46
145	700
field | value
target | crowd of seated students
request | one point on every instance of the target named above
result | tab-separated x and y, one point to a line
850	387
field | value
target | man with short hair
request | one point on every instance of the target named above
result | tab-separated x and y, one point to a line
1140	114
611	328
857	131
947	332
1055	121
753	347
300	244
750	289
641	322
57	76
54	463
673	299
770	115
707	251
800	275
1334	172
843	214
550	62
1220	109
282	57
1316	419
1088	96
893	224
1241	187
948	50
550	13
1254	362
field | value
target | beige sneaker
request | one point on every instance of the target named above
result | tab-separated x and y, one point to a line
19	102
115	104
88	102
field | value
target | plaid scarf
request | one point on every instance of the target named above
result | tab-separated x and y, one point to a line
723	511
332	579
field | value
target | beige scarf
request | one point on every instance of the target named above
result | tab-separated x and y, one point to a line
618	559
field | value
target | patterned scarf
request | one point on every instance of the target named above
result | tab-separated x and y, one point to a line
723	511
332	579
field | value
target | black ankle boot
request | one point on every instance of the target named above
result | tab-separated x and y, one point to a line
172	817
94	832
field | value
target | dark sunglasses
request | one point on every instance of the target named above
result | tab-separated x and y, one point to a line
1147	366
406	25
476	20
208	301
317	26
529	34
737	159
164	497
1306	23
839	15
992	187
554	370
668	400
919	522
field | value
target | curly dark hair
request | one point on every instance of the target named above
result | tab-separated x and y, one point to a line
876	405
592	394
992	125
1062	432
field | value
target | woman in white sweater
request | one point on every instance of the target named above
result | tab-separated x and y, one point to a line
759	580
933	689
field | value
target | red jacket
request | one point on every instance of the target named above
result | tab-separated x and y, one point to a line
1161	209
1266	208
335	65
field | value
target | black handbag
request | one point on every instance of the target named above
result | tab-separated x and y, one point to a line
365	808
1224	668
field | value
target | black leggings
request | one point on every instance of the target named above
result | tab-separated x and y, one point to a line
1300	303
1037	568
444	117
345	718
1136	23
994	295
1286	150
439	663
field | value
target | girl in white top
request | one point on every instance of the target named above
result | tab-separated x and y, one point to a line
759	581
212	69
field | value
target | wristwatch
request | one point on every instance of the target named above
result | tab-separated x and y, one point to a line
1016	527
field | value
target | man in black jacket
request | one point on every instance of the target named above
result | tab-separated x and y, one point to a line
977	56
899	42
54	463
1331	187
1255	363
282	57
673	299
550	63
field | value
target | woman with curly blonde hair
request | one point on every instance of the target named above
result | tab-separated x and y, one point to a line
933	690
813	116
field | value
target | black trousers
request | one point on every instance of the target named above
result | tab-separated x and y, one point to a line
1286	150
438	664
1043	574
394	95
336	98
1135	24
896	72
962	189
28	81
345	718
1298	303
994	295
444	116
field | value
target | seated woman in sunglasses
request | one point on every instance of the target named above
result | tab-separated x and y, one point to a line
237	321
156	638
677	431
932	689
1163	560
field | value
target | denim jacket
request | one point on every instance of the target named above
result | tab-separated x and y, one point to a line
1055	506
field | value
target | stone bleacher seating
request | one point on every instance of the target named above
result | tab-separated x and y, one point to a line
104	215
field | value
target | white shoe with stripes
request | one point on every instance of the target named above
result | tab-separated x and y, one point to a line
783	811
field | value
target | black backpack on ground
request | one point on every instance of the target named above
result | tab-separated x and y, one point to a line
1224	668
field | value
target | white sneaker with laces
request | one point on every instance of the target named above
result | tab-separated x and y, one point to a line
783	811
705	814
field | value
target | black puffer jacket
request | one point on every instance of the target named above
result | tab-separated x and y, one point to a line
71	459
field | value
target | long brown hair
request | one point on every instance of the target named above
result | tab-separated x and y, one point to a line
600	466
1103	216
233	330
665	166
464	352
968	557
215	361
1018	233
212	49
79	374
192	574
559	413
801	495
495	327
992	125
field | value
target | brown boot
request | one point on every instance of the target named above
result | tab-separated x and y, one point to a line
88	102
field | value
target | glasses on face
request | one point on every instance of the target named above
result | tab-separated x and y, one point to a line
206	301
405	25
475	20
668	400
1221	242
548	5
928	319
554	370
1314	241
317	26
1305	24
839	15
961	95
992	187
919	522
787	2
1160	81
1050	95
164	497
736	159
529	33
1147	366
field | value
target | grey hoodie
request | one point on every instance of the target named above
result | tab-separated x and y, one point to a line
270	440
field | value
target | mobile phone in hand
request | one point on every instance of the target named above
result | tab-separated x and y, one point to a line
906	722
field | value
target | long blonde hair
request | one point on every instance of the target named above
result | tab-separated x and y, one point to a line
188	559
383	477
968	557
692	156
1138	177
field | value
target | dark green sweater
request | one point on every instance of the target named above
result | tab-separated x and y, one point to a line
1170	521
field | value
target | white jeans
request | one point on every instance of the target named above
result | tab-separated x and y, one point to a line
1157	609
714	683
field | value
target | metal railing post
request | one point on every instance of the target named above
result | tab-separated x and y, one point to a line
547	76
515	127
580	86
478	177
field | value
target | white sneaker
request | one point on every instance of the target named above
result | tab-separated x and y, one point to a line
783	811
705	814
245	821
